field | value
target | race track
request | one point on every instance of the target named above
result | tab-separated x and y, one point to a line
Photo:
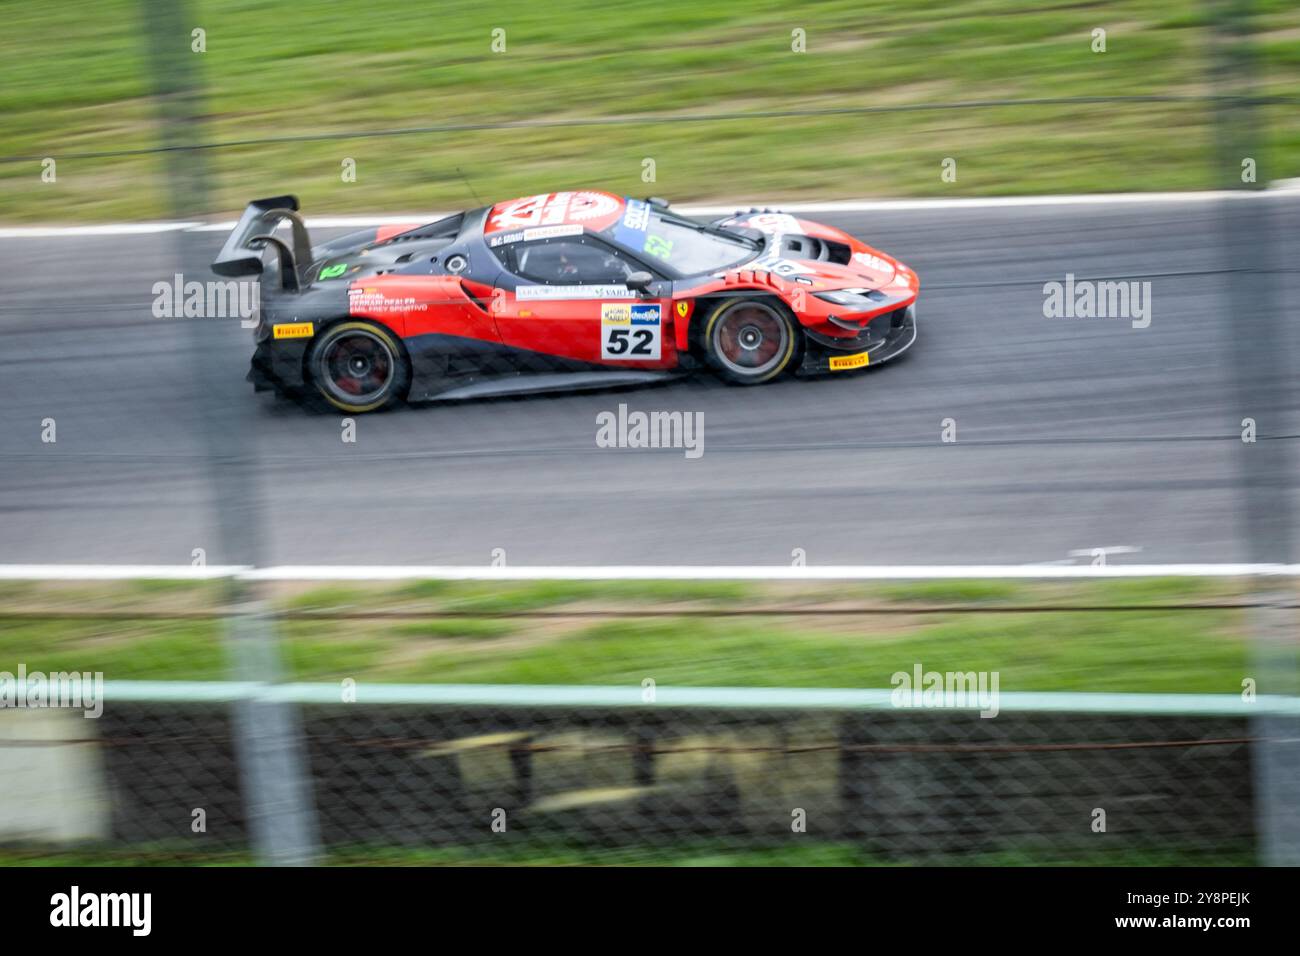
1072	434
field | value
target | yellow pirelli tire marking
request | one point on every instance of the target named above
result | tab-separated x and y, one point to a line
840	363
294	330
789	346
379	332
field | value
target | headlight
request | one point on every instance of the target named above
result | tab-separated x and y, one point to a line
859	300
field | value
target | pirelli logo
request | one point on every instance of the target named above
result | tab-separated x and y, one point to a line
840	363
294	330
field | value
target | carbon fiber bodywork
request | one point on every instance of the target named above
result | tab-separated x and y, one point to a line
884	338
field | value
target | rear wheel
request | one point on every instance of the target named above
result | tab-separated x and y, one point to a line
750	341
358	367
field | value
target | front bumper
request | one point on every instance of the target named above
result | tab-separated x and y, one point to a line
875	344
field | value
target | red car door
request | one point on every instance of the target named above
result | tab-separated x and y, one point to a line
571	301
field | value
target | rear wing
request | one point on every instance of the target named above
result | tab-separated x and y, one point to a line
242	253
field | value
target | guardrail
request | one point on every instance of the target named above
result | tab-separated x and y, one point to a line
719	698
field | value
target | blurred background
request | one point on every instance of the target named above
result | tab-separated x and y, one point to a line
525	98
975	141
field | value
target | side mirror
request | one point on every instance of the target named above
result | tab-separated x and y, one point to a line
639	282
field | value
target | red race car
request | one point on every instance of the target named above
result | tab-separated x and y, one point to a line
561	291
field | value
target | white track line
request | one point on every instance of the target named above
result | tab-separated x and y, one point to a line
126	572
335	222
757	572
116	572
989	202
851	205
108	229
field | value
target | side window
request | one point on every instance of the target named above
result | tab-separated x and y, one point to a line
571	260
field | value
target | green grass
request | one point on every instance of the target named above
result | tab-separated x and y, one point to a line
77	77
154	650
482	598
478	632
1156	652
949	592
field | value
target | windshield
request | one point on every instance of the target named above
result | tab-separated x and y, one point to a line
686	247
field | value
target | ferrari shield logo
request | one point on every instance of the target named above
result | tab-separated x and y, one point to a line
683	309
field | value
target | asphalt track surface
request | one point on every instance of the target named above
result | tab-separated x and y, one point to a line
1072	434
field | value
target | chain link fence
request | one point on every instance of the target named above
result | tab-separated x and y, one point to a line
651	783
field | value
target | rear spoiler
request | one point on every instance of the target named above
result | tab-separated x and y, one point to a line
242	253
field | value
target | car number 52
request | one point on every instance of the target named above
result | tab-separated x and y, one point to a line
638	343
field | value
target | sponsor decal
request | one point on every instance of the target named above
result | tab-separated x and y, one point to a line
776	225
625	313
631	230
574	292
840	363
553	209
873	262
645	314
585	206
637	215
538	232
616	313
293	330
785	268
372	301
334	271
630	332
773	223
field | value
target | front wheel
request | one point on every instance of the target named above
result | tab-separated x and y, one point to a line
358	367
749	341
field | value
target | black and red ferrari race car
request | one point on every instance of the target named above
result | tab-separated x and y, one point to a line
560	291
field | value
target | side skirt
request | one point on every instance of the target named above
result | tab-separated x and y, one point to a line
531	383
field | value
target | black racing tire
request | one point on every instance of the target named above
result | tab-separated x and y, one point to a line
358	367
750	340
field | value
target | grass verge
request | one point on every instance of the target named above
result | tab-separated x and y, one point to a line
77	78
1168	636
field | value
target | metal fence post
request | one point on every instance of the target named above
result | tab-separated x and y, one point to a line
274	774
1255	329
